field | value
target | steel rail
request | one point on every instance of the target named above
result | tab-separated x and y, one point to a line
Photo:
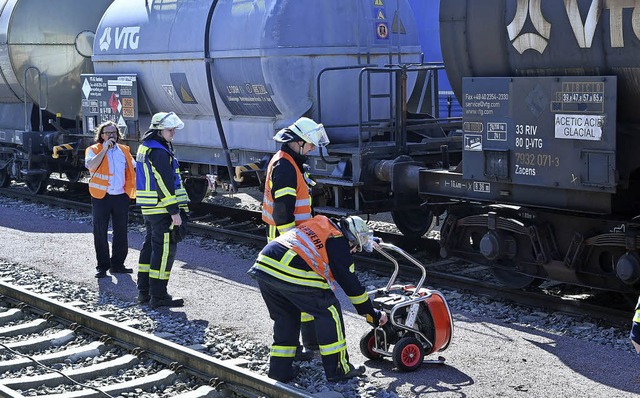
200	363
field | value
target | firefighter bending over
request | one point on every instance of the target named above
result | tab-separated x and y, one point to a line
298	271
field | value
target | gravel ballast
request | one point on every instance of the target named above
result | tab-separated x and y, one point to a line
498	349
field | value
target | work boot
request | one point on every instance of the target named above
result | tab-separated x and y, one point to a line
295	369
120	270
143	281
354	371
166	301
143	297
303	354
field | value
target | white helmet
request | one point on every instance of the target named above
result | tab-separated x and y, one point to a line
164	120
307	130
356	230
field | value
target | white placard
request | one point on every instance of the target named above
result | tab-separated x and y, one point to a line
579	127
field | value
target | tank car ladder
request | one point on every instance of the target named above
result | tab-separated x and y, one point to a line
33	175
368	127
368	123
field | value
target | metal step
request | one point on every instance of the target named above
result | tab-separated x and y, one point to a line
339	182
336	211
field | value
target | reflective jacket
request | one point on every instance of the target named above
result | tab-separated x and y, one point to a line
635	325
153	195
302	210
99	182
309	242
314	255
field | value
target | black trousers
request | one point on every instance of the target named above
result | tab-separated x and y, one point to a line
116	209
284	307
156	256
307	329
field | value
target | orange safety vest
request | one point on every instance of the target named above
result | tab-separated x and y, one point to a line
302	211
309	241
99	181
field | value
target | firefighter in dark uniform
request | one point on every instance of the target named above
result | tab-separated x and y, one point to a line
635	328
287	200
163	201
298	271
287	197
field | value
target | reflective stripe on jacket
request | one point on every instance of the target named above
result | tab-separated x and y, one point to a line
99	181
302	211
149	183
308	241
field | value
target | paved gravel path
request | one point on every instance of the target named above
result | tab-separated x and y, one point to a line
488	358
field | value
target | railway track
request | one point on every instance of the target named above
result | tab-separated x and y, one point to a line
65	340
245	226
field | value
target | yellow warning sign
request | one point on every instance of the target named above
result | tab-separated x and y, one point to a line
398	25
185	96
379	3
381	15
128	112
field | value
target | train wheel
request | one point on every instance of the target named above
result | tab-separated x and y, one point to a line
197	189
5	180
367	342
413	223
408	354
37	185
515	280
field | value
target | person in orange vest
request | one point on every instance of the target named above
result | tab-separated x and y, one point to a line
287	200
298	271
112	186
287	197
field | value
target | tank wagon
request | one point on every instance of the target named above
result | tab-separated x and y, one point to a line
236	72
40	85
549	180
537	179
426	13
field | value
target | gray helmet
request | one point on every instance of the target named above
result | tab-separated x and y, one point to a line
356	230
164	120
306	130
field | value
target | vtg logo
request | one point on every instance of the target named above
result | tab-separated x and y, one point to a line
583	31
125	37
529	41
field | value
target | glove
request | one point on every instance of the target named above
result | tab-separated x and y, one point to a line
371	243
181	232
374	319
